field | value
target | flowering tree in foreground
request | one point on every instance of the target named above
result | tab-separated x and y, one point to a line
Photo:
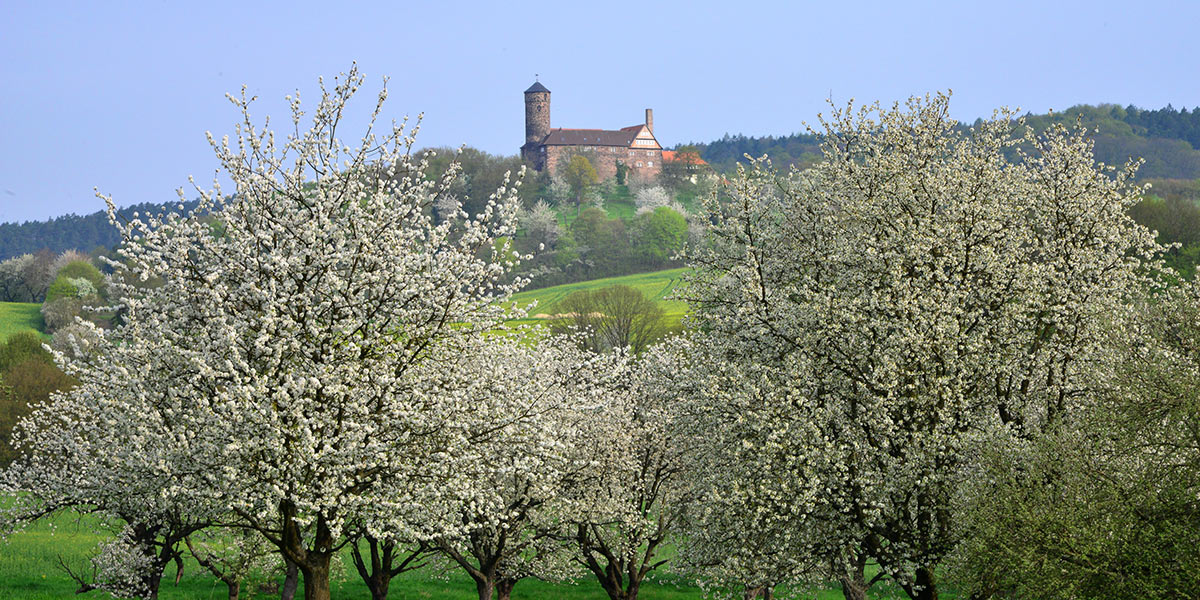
297	372
635	499
96	449
914	293
232	557
548	394
750	526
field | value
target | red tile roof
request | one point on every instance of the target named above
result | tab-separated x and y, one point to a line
690	158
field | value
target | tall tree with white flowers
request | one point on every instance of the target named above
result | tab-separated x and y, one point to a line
750	527
547	394
923	287
299	371
633	504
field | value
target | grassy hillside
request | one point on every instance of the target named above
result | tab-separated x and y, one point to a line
19	316
657	286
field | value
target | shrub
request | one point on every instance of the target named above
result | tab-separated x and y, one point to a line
75	282
24	385
61	288
611	317
61	312
661	233
81	269
21	347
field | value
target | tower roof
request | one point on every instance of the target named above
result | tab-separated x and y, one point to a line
537	87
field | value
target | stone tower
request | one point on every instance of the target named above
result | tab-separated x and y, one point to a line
537	121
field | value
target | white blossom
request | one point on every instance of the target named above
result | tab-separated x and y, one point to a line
871	318
300	369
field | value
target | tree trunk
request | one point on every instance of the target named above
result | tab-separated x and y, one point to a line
153	581
378	587
377	576
504	588
854	586
290	582
485	586
316	576
765	592
235	589
926	586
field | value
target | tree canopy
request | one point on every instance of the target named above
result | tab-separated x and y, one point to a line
874	317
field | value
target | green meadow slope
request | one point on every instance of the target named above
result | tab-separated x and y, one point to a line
658	286
16	317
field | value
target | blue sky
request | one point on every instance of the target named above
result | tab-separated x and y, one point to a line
118	95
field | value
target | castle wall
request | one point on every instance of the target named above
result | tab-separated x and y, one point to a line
535	155
643	164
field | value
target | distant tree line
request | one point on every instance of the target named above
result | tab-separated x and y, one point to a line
1166	123
1167	138
798	149
72	231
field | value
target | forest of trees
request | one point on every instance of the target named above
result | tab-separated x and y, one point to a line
1167	138
73	232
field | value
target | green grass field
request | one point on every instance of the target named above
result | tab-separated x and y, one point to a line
16	317
657	286
29	570
620	205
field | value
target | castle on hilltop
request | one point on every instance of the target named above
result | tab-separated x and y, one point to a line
634	148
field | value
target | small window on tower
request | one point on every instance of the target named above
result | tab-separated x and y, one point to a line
639	163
